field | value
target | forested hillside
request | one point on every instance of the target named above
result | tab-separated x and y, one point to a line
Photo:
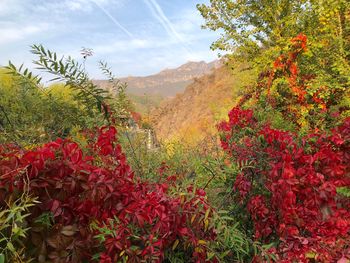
192	115
252	163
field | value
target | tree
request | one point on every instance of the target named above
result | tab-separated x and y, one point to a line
251	26
257	30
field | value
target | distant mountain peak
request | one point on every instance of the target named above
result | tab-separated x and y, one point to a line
168	82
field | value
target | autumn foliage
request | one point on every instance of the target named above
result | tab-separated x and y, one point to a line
289	186
288	183
285	178
97	208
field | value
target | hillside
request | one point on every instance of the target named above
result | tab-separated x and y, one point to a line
191	116
145	103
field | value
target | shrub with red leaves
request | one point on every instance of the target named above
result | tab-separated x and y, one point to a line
287	183
96	195
291	189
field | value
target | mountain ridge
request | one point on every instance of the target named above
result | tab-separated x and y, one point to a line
167	82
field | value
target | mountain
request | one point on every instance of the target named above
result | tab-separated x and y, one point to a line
193	115
168	82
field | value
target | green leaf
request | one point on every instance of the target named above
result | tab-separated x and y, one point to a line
11	247
94	257
310	254
42	50
2	258
210	255
11	65
344	191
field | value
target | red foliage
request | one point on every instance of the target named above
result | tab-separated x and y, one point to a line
288	64
293	199
81	190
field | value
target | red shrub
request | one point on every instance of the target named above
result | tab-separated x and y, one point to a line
137	221
291	189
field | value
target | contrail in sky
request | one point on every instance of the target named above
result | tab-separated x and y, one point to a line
164	21
113	19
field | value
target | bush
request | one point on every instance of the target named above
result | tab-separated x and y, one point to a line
292	185
92	207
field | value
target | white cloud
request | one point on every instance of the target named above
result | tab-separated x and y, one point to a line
11	33
60	8
75	5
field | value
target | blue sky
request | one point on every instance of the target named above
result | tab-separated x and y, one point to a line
135	37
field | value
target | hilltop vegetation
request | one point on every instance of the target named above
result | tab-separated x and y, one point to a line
270	184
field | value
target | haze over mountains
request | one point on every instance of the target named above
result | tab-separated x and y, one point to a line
168	82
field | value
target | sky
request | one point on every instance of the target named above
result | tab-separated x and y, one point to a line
135	37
